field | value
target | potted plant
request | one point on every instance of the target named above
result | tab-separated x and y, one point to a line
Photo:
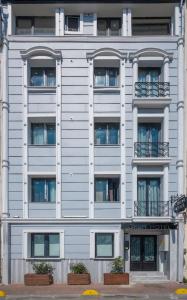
79	274
43	274
117	275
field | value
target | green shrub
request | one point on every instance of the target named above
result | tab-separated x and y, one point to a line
118	265
78	268
184	280
42	268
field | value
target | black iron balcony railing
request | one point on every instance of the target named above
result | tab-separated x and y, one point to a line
152	89
146	149
151	208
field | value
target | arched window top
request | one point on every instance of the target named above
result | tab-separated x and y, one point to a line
40	51
152	53
108	53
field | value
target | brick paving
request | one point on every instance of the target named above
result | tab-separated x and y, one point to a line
63	290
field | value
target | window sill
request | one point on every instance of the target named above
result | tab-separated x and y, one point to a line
107	145
107	202
106	90
40	89
103	258
42	145
44	202
73	32
44	258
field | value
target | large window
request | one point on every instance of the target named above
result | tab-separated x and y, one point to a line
35	25
45	245
43	77
151	26
43	189
106	189
106	133
43	134
72	23
106	77
104	245
109	26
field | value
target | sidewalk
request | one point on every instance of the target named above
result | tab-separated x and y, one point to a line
62	290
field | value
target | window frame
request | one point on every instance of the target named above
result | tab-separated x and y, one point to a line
102	233
107	124
46	244
32	29
44	77
107	77
80	28
26	235
45	134
46	189
108	26
107	178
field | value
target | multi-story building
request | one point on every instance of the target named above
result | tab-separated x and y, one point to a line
92	136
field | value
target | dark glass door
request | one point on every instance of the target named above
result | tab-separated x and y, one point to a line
143	253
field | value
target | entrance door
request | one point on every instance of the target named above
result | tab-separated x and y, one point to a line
143	253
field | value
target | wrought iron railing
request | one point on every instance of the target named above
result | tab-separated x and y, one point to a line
151	208
146	149
152	89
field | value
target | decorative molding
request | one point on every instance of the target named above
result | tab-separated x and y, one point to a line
151	161
106	52
41	51
152	52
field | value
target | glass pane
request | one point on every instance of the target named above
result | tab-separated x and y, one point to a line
44	25
102	27
51	187
24	26
113	77
149	249
50	76
113	189
72	23
104	244
37	77
135	249
142	191
151	29
51	134
38	190
113	134
100	77
100	134
115	27
101	190
37	134
54	245
38	245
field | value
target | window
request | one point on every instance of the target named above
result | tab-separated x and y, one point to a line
106	134
43	189
148	82
104	245
151	26
106	189
72	23
35	25
45	245
43	77
106	77
43	134
109	26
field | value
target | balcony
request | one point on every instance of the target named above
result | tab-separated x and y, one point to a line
152	89
151	209
151	150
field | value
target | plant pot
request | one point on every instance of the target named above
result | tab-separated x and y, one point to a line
79	279
116	278
38	279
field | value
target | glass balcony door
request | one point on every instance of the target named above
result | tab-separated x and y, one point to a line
149	137
149	79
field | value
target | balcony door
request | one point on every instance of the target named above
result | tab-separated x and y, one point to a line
149	79
143	253
148	197
149	137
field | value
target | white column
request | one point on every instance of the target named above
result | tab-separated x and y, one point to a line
135	124
123	135
62	21
58	142
180	108
25	140
180	254
4	145
95	24
10	19
125	23
134	187
91	142
165	188
177	20
4	252
135	73
166	124
166	69
129	22
57	22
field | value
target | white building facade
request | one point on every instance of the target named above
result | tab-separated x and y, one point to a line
92	136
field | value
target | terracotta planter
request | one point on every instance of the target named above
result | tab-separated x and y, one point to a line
116	278
79	279
38	279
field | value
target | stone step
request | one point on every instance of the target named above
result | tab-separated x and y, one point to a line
148	277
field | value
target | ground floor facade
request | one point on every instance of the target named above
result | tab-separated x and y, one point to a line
145	247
